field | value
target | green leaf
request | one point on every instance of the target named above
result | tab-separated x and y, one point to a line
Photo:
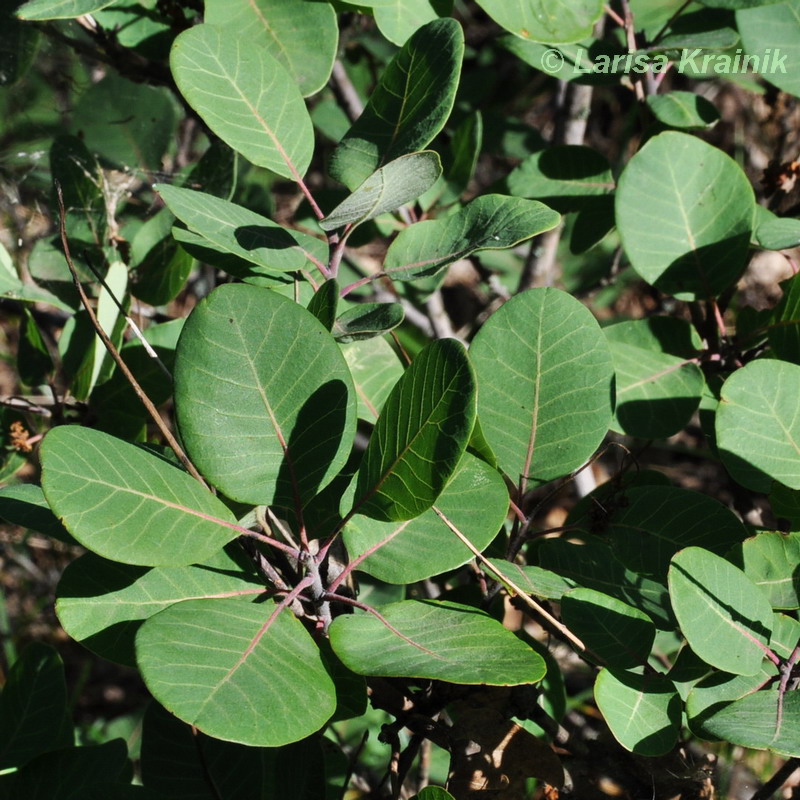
388	188
566	175
33	707
19	44
475	501
24	504
753	722
60	9
435	640
101	603
366	321
545	377
489	222
399	19
784	328
658	387
534	580
643	711
375	369
239	671
770	560
771	33
246	96
242	232
778	233
433	793
128	505
264	399
550	21
408	107
188	765
657	521
324	303
420	435
726	619
614	632
684	213
34	363
302	36
683	110
758	429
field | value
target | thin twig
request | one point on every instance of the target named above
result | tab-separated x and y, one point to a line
114	353
777	780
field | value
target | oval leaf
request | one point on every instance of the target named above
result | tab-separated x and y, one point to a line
366	321
243	672
542	365
246	96
770	560
551	21
490	222
375	369
435	640
726	619
408	107
390	187
60	9
475	501
128	505
685	212
420	435
758	428
263	396
643	711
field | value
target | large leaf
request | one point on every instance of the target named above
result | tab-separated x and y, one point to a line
301	36
239	671
60	9
684	211
726	619
551	21
758	428
246	96
643	711
263	395
545	377
33	707
101	603
771	33
184	764
770	560
242	232
129	505
658	387
420	435
490	222
475	501
399	19
435	640
409	106
655	522
402	180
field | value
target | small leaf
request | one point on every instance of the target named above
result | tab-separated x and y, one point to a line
408	107
24	504
685	213
324	303
239	671
616	633
435	640
550	21
490	222
475	501
390	187
246	96
683	110
433	793
758	428
128	505
399	19
420	435
375	369
367	320
60	9
33	707
778	233
241	232
534	580
784	327
262	374
725	618
301	36
643	711
770	560
542	364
